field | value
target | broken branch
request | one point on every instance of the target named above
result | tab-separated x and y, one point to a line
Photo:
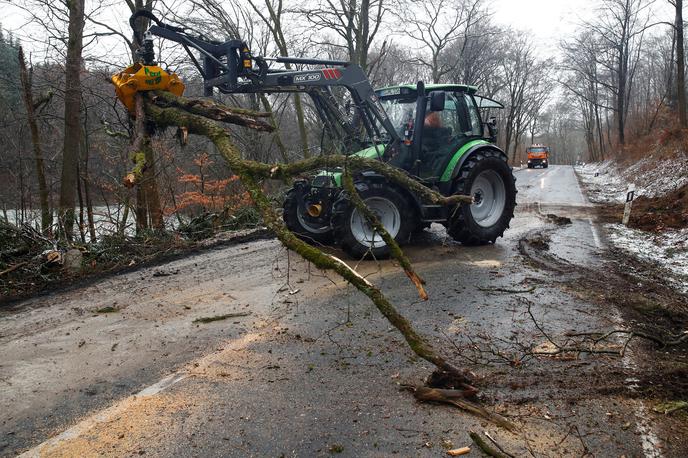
216	111
485	447
249	173
395	250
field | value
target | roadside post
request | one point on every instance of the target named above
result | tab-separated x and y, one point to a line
630	194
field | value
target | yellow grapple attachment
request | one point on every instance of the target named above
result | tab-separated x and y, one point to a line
140	77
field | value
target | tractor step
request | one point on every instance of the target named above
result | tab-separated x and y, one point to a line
433	213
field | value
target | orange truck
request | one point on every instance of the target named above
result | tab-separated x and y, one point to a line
538	155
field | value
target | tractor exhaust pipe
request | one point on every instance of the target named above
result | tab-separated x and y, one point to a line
314	210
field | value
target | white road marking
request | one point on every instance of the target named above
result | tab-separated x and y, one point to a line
102	416
595	235
649	441
580	191
121	406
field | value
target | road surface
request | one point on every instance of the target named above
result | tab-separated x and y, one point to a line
310	368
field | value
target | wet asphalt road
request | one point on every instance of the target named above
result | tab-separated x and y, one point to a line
314	369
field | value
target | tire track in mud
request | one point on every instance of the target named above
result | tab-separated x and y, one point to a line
624	286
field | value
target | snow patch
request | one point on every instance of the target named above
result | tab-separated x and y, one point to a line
669	249
603	182
652	177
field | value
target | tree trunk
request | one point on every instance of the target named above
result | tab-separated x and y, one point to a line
83	175
141	210
277	138
72	128
150	187
80	195
680	66
275	26
620	103
46	214
122	224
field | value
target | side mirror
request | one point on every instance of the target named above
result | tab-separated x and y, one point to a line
492	128
437	100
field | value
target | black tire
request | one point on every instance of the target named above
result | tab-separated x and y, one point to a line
420	227
345	218
467	224
545	166
296	224
530	166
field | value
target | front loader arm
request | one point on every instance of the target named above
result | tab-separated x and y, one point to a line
229	67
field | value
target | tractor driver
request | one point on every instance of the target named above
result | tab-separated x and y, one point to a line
435	135
433	120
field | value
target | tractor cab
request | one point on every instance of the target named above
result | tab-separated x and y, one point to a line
434	124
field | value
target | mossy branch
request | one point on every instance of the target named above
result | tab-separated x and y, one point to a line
174	115
250	172
216	111
395	250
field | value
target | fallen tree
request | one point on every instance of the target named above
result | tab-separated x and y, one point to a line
201	118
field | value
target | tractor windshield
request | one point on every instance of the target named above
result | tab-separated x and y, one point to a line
401	112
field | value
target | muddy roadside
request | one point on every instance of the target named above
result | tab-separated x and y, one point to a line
649	335
35	279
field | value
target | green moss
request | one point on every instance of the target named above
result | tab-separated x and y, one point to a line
108	309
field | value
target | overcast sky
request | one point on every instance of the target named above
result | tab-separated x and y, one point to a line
548	21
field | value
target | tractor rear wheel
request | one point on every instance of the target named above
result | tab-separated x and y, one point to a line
302	225
355	234
488	178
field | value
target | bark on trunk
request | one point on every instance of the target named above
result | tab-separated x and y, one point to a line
680	66
72	127
150	187
277	138
46	214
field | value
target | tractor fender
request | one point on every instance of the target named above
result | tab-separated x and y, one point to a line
446	185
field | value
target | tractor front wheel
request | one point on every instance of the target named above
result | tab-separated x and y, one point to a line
356	235
488	178
303	225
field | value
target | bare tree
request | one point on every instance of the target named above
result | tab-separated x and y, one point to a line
72	114
621	27
478	55
585	78
680	63
273	20
521	72
356	22
30	103
437	25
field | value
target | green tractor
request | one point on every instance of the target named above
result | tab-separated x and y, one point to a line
443	146
435	134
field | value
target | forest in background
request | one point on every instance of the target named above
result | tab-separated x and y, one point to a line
616	86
